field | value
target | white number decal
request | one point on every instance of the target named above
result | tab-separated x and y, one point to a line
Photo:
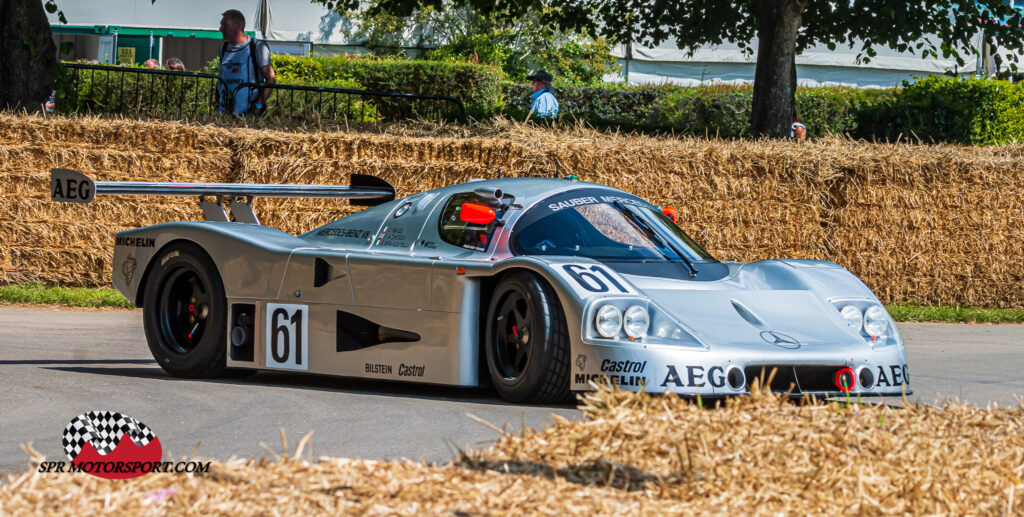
595	279
286	336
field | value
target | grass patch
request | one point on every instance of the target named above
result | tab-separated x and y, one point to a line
951	314
70	296
107	297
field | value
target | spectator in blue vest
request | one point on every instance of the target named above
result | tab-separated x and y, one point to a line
242	60
543	103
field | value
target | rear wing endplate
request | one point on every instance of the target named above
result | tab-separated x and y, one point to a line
71	186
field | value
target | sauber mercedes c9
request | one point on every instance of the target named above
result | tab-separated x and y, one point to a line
540	286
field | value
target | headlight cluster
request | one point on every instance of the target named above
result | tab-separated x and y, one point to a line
609	320
874	321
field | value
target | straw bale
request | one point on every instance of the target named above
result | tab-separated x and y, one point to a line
119	165
148	136
932	224
629	454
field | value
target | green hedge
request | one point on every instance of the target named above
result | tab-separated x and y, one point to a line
478	86
628	107
949	109
717	110
966	111
932	109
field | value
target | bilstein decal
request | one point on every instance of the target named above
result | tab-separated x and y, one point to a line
385	369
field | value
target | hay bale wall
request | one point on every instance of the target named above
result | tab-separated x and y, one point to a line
932	224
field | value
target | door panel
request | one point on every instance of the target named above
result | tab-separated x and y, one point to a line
390	282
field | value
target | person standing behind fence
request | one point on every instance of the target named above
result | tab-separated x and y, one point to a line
242	60
175	64
543	102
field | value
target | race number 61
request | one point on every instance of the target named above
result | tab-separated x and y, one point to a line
286	336
593	278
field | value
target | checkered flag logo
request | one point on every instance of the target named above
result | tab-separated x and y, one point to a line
104	430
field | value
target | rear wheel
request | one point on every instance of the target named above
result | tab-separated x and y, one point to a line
185	313
527	346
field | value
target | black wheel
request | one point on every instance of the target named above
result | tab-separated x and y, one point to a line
185	313
526	342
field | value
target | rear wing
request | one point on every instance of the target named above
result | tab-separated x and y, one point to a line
70	186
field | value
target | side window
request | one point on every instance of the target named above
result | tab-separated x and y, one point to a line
460	233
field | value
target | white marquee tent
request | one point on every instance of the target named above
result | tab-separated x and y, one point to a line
816	66
188	28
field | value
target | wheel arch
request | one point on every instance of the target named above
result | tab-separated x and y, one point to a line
487	287
240	251
140	294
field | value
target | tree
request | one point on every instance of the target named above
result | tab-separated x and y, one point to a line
462	33
783	29
27	55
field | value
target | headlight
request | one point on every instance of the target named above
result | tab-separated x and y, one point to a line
876	321
853	316
636	322
608	321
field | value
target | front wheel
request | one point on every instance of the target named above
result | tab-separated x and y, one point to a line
185	313
526	342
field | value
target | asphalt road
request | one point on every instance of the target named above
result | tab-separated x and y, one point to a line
55	365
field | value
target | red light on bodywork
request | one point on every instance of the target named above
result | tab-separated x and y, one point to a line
845	379
473	213
461	270
671	213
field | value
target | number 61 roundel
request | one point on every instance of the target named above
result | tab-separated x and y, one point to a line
286	336
590	279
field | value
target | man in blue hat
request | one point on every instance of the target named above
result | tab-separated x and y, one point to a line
543	103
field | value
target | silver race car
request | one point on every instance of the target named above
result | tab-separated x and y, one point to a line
542	285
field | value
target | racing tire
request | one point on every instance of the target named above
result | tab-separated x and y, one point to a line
526	342
184	313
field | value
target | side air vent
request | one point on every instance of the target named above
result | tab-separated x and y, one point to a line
357	333
321	272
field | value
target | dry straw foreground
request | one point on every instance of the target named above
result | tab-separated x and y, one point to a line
631	454
932	224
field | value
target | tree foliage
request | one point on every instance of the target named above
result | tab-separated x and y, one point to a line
517	43
781	29
868	24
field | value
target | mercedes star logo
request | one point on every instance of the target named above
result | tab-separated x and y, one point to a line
779	339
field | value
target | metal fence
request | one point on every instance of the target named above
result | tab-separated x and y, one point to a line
187	95
358	105
136	92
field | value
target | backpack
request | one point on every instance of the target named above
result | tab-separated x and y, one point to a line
260	78
252	57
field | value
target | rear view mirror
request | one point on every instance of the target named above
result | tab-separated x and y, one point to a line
473	213
671	213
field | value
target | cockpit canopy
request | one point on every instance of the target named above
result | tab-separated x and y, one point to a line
605	226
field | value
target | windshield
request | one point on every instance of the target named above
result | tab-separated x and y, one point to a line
603	225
